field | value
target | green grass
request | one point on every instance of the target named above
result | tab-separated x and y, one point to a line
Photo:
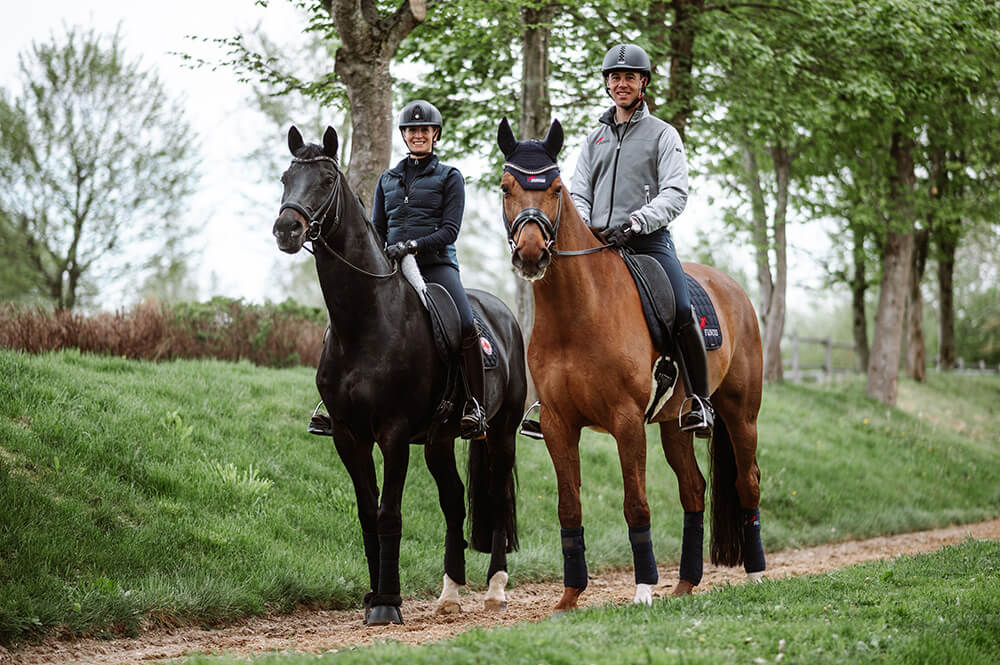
134	493
937	608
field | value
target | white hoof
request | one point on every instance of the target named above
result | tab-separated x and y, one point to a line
757	577
496	598
448	602
643	594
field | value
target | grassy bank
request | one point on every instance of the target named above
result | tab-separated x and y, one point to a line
135	493
941	608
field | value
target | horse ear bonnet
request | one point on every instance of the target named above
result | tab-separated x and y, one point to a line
531	162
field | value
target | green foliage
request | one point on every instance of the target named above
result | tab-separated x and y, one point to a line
93	154
133	493
931	608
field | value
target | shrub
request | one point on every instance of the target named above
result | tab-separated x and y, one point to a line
274	335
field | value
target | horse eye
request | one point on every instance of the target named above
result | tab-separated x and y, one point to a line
505	189
558	191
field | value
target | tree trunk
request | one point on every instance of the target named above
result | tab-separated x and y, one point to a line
883	367
859	287
536	116
947	246
368	42
916	349
680	94
775	325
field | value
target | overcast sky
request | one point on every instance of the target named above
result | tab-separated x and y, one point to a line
238	250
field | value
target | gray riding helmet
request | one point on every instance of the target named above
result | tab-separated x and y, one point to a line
420	112
626	58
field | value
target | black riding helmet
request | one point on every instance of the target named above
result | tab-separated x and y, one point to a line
420	112
626	58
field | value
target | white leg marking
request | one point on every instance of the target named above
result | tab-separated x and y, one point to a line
757	577
643	594
448	602
496	599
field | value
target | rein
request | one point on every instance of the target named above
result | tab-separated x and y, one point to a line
537	216
315	232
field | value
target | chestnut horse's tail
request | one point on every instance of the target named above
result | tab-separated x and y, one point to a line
492	501
727	518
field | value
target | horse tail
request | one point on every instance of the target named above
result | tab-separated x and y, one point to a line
727	520
486	507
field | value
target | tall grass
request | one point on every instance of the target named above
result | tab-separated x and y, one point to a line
135	493
223	328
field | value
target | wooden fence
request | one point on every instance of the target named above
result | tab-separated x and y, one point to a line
838	359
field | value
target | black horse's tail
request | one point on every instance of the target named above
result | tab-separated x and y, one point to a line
727	518
491	499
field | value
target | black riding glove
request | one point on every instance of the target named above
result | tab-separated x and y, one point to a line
397	251
620	235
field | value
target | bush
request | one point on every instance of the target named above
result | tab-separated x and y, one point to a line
273	335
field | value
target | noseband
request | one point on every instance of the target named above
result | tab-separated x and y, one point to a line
537	216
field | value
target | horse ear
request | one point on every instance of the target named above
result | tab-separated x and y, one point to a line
294	139
553	140
330	142
506	139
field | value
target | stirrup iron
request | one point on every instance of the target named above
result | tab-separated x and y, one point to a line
705	424
530	427
320	424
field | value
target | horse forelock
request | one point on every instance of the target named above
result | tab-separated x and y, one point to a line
311	151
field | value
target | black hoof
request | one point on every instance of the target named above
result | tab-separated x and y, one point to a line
383	615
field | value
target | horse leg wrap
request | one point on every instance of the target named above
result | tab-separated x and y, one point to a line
388	577
498	556
370	540
574	562
454	556
753	548
692	564
642	555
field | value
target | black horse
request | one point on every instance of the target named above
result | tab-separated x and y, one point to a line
382	381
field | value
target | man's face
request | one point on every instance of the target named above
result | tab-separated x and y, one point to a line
625	87
419	140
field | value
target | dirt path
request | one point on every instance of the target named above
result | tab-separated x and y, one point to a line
320	631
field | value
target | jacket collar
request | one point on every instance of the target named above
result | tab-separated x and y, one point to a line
608	118
400	168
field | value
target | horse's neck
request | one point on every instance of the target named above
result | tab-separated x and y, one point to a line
572	283
358	303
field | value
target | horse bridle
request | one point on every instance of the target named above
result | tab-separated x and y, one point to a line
537	216
315	226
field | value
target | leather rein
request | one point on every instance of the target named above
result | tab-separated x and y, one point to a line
315	226
537	216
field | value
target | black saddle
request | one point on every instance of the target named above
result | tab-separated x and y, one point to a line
656	296
447	327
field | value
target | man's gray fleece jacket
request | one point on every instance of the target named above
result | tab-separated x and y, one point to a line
651	181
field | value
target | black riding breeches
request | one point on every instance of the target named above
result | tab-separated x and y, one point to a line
448	277
660	246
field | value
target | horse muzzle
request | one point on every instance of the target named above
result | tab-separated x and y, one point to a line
289	231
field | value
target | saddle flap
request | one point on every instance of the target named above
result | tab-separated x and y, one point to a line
656	296
445	322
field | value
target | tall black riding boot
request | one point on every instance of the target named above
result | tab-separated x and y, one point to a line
701	418
473	422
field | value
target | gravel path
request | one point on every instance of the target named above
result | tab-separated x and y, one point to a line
319	631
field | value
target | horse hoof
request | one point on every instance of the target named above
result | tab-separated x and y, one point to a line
495	605
683	588
383	615
757	577
447	607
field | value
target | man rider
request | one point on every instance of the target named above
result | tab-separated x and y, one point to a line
630	183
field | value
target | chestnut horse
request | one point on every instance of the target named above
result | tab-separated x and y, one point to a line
591	356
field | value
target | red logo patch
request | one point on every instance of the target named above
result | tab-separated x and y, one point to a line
703	322
487	347
601	139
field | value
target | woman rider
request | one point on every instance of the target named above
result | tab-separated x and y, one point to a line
418	209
